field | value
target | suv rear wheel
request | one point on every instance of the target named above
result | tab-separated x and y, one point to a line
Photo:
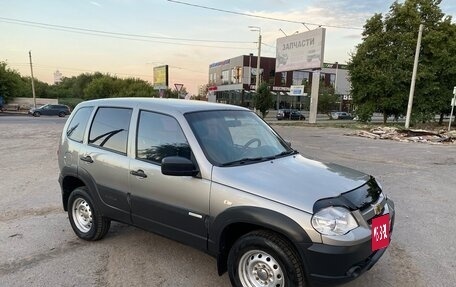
263	258
85	219
61	114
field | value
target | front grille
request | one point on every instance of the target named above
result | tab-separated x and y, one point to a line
373	210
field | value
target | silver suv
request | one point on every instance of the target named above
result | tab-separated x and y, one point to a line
218	178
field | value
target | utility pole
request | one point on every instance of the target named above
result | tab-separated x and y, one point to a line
314	96
255	28
33	84
335	87
250	69
412	85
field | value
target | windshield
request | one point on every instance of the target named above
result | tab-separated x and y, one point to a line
236	137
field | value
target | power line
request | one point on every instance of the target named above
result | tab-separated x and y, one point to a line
264	17
118	35
121	34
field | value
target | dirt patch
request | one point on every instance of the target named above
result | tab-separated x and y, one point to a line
408	135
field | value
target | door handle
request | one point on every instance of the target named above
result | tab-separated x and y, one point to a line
139	173
87	158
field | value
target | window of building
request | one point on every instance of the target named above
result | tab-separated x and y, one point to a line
78	124
283	78
236	75
332	80
323	77
213	78
160	136
300	77
225	77
110	129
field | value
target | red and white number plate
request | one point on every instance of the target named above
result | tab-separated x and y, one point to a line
380	232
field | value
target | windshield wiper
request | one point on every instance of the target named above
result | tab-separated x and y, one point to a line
245	160
288	152
255	159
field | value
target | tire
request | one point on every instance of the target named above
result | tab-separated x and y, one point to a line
85	218
61	114
264	258
36	114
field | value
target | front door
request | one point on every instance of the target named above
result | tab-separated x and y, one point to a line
174	206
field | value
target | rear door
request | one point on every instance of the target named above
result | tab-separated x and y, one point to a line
174	206
105	159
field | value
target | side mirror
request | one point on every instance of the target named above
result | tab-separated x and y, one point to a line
178	166
288	143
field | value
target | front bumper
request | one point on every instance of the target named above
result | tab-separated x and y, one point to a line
330	263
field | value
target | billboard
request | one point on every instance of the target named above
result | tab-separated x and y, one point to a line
300	51
161	77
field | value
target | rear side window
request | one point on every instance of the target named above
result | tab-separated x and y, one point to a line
160	136
110	129
78	124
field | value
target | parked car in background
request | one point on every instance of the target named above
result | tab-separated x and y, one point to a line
50	110
341	116
211	176
296	115
283	114
289	114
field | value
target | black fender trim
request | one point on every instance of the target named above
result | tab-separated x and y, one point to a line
106	210
67	171
221	235
91	185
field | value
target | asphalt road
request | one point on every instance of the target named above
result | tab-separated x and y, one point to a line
39	248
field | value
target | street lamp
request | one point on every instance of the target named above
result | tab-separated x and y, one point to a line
256	28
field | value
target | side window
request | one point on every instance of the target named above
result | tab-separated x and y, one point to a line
160	136
110	129
78	124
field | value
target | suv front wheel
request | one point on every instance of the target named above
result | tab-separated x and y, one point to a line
263	258
85	218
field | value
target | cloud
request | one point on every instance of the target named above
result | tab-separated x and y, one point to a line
95	3
353	36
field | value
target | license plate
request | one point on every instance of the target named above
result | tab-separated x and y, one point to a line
380	232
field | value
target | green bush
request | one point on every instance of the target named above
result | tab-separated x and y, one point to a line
71	102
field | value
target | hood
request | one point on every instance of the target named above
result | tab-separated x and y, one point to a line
293	180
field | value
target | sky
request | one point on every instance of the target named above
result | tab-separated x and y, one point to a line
128	38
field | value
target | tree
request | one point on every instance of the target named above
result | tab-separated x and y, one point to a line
137	88
104	87
262	100
381	68
326	99
11	83
74	89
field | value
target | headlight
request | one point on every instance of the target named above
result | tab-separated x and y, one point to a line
334	221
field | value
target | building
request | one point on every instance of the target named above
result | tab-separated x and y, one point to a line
232	81
57	77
